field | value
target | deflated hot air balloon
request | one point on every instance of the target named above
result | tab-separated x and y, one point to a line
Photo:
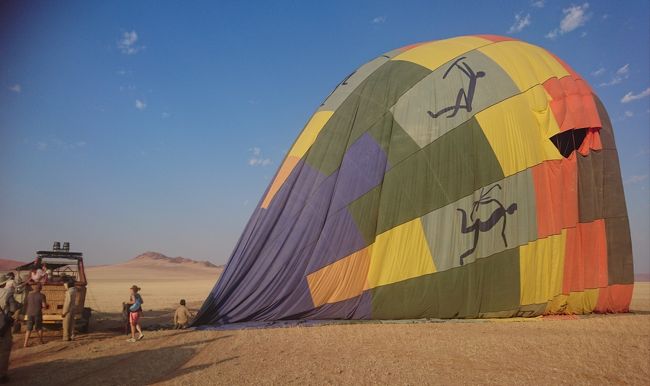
462	178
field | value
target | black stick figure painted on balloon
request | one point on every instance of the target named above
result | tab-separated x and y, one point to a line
478	225
462	96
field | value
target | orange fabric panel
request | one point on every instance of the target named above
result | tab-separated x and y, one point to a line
495	38
341	280
591	142
406	48
286	169
556	195
572	103
585	260
571	71
615	298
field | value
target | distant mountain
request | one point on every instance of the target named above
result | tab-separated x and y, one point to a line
159	257
9	264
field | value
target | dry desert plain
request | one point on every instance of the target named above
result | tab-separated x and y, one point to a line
598	349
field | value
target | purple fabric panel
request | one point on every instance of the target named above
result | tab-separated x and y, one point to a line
262	283
263	236
340	237
361	170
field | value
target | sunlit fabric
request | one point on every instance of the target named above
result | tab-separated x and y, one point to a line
462	178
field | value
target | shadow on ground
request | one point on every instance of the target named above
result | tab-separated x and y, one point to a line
140	367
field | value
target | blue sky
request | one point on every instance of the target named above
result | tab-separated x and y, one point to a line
157	125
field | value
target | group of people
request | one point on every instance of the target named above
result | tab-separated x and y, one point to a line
182	315
32	304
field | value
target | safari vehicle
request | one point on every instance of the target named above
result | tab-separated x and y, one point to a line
61	264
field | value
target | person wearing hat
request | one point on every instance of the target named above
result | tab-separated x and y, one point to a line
135	312
68	309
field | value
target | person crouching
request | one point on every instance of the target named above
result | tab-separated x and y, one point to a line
182	316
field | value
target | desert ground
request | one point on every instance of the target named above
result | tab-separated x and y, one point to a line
596	349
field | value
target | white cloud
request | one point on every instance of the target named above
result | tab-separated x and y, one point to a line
631	96
636	179
17	88
620	75
574	17
520	23
538	4
140	105
583	34
58	144
379	20
623	70
127	44
598	72
257	159
629	114
165	115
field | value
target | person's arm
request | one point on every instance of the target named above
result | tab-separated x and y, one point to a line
66	304
44	305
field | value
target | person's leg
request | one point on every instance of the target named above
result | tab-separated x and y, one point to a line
5	352
139	330
28	330
66	332
132	330
40	336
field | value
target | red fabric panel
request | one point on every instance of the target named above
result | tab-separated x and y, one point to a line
615	298
556	195
585	260
572	103
591	142
495	38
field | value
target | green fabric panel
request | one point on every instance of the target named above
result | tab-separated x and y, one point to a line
606	132
449	168
360	111
395	142
620	267
590	186
437	92
350	83
530	310
442	227
364	212
485	286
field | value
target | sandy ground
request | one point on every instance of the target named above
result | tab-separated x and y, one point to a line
609	349
163	284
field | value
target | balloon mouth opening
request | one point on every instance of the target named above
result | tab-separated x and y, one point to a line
579	139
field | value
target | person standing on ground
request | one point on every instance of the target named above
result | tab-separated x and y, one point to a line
135	313
34	305
182	316
68	309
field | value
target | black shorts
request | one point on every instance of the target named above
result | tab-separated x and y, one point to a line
34	322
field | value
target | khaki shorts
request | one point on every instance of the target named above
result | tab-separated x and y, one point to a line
34	322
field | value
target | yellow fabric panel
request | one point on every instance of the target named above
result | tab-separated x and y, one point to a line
434	54
309	133
557	305
341	280
541	269
285	170
582	302
398	254
526	64
518	130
